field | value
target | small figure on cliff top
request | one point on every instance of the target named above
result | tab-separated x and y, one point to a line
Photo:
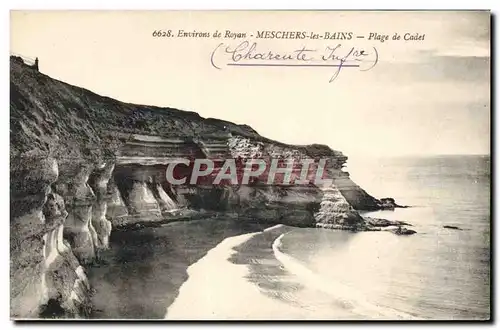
36	64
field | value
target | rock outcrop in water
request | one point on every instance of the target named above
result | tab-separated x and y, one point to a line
336	213
452	227
402	231
82	164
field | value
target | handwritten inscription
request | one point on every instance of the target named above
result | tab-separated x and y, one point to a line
242	48
335	56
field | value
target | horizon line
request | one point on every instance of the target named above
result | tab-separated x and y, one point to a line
415	155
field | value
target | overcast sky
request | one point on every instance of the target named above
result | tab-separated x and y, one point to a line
423	97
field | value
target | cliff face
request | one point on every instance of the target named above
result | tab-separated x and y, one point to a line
82	163
43	267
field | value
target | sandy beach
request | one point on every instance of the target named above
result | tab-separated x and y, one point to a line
222	286
241	279
211	269
140	275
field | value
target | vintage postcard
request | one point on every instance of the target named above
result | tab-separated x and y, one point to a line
250	165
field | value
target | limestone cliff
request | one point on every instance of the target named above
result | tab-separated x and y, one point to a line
82	163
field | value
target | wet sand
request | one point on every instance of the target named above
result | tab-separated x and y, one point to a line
140	275
224	285
241	279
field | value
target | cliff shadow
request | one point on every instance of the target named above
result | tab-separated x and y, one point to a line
142	272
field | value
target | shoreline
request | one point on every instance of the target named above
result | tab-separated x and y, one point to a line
159	270
189	293
149	262
351	299
142	272
220	281
245	269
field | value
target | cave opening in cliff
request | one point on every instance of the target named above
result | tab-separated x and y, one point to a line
52	309
143	189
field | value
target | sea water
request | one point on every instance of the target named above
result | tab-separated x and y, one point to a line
299	273
437	273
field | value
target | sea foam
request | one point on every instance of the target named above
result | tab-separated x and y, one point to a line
346	294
